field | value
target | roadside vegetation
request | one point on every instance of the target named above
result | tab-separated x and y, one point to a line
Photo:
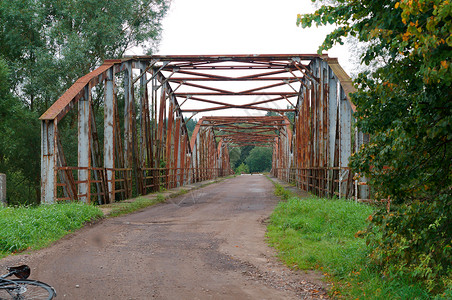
31	228
403	102
324	234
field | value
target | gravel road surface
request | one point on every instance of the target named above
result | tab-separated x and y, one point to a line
206	244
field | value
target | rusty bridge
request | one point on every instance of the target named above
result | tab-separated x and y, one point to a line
120	130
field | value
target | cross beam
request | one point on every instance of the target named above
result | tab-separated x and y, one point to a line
144	144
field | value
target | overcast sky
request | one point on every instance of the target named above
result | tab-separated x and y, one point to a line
242	27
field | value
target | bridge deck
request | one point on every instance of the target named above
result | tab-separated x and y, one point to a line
206	244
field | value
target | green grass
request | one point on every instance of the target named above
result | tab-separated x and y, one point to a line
317	233
122	208
23	228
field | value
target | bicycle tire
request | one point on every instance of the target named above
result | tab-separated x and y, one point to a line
23	289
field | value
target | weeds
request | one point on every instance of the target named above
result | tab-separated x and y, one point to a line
321	234
24	228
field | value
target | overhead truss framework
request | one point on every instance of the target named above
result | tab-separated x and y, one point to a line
143	143
245	131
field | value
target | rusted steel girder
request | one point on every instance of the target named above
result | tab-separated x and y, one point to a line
240	131
145	141
323	136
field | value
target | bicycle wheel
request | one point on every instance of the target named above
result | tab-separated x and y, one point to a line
22	289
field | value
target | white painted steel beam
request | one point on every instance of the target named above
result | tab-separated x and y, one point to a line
84	147
109	132
48	162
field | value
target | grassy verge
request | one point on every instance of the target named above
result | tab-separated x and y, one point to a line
23	228
122	208
319	234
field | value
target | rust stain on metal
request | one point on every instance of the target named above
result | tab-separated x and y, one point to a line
149	148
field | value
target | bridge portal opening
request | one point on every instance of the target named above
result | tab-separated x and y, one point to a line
121	129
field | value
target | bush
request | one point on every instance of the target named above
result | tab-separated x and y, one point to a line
242	169
414	240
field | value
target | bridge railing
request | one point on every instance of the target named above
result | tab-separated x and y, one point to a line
325	182
122	182
141	145
316	156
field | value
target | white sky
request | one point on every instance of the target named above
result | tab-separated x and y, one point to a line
242	27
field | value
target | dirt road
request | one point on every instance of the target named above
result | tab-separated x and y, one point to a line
206	244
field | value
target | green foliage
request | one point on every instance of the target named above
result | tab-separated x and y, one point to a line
191	124
405	107
259	159
415	240
234	156
24	228
19	133
280	191
49	44
242	169
45	46
244	152
322	234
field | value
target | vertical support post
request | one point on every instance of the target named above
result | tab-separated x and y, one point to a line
128	126
177	154
169	143
128	95
109	133
333	99
48	161
2	190
362	190
145	151
345	116
84	147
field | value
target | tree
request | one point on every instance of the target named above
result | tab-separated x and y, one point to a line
19	133
191	124
242	169
259	159
405	106
234	156
46	45
49	44
244	152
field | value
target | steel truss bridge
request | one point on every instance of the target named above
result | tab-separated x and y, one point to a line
143	145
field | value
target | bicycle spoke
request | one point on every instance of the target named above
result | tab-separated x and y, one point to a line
26	289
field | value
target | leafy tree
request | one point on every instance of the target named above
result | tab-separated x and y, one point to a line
259	159
242	169
49	44
19	133
244	152
234	156
191	124
46	45
405	106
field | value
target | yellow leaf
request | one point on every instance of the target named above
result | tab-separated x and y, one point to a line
397	5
